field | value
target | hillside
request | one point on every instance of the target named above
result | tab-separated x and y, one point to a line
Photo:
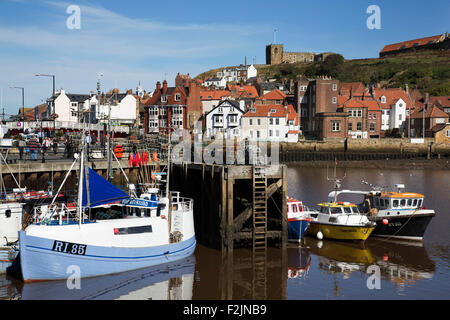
428	70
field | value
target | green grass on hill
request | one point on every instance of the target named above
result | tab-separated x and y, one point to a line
429	71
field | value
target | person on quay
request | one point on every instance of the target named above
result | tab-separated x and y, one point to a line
22	145
34	145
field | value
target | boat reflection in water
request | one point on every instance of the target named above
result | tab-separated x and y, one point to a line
299	262
400	263
171	281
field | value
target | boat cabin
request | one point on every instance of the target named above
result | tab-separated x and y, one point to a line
338	208
393	200
294	206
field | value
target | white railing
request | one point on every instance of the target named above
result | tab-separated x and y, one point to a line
62	125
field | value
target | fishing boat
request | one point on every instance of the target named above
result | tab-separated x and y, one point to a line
298	219
136	234
11	215
340	220
398	214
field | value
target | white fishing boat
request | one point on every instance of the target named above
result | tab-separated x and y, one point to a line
135	233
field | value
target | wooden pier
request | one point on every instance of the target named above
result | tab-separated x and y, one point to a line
235	205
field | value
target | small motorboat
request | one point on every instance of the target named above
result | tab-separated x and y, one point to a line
340	221
298	218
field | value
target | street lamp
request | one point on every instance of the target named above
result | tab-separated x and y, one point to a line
23	100
48	75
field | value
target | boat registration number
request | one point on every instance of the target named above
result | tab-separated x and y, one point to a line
70	248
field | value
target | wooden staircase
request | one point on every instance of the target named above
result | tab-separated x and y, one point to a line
259	284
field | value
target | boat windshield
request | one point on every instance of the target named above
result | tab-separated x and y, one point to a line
335	210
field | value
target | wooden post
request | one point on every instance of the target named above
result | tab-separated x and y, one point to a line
223	210
230	218
284	218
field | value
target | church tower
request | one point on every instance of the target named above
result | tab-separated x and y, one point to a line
274	53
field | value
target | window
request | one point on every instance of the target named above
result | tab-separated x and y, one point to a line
383	99
270	133
259	122
218	119
359	113
403	202
334	100
271	121
447	133
177	97
374	115
163	98
419	204
400	117
372	127
359	126
336	126
370	115
277	133
233	118
257	133
277	121
395	203
294	207
350	126
273	110
334	86
250	122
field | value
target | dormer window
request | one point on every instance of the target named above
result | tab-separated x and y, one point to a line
164	98
253	110
273	110
177	97
383	99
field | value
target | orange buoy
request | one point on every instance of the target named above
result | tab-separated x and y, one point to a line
155	157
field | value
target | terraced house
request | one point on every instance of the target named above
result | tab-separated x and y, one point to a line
174	108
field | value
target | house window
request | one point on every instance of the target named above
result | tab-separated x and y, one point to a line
370	115
350	125
400	117
447	133
257	134
233	118
270	133
334	86
374	115
359	113
383	99
218	119
277	121
372	126
271	121
334	100
259	122
336	126
177	97
273	110
250	122
164	98
359	126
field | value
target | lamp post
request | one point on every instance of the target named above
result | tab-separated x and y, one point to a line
23	100
48	75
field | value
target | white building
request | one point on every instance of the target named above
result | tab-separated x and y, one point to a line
270	122
225	120
68	106
237	74
123	108
220	83
211	98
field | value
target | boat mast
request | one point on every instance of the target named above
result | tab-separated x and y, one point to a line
168	164
80	187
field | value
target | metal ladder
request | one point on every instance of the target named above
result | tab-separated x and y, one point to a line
259	284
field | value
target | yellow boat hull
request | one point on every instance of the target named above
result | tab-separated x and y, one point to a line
340	232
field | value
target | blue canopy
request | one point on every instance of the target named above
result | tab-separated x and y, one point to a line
101	191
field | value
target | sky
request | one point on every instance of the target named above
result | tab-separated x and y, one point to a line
148	41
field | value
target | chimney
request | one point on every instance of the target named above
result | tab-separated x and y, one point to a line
158	86
164	86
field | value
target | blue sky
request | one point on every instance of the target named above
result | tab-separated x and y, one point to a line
147	41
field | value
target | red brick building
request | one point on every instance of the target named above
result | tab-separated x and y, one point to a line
176	107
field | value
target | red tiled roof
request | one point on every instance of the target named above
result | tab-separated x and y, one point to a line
275	95
392	96
214	94
433	112
410	43
264	110
371	104
251	90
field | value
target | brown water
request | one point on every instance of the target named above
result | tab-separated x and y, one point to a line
313	270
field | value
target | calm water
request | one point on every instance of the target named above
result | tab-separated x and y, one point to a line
313	270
